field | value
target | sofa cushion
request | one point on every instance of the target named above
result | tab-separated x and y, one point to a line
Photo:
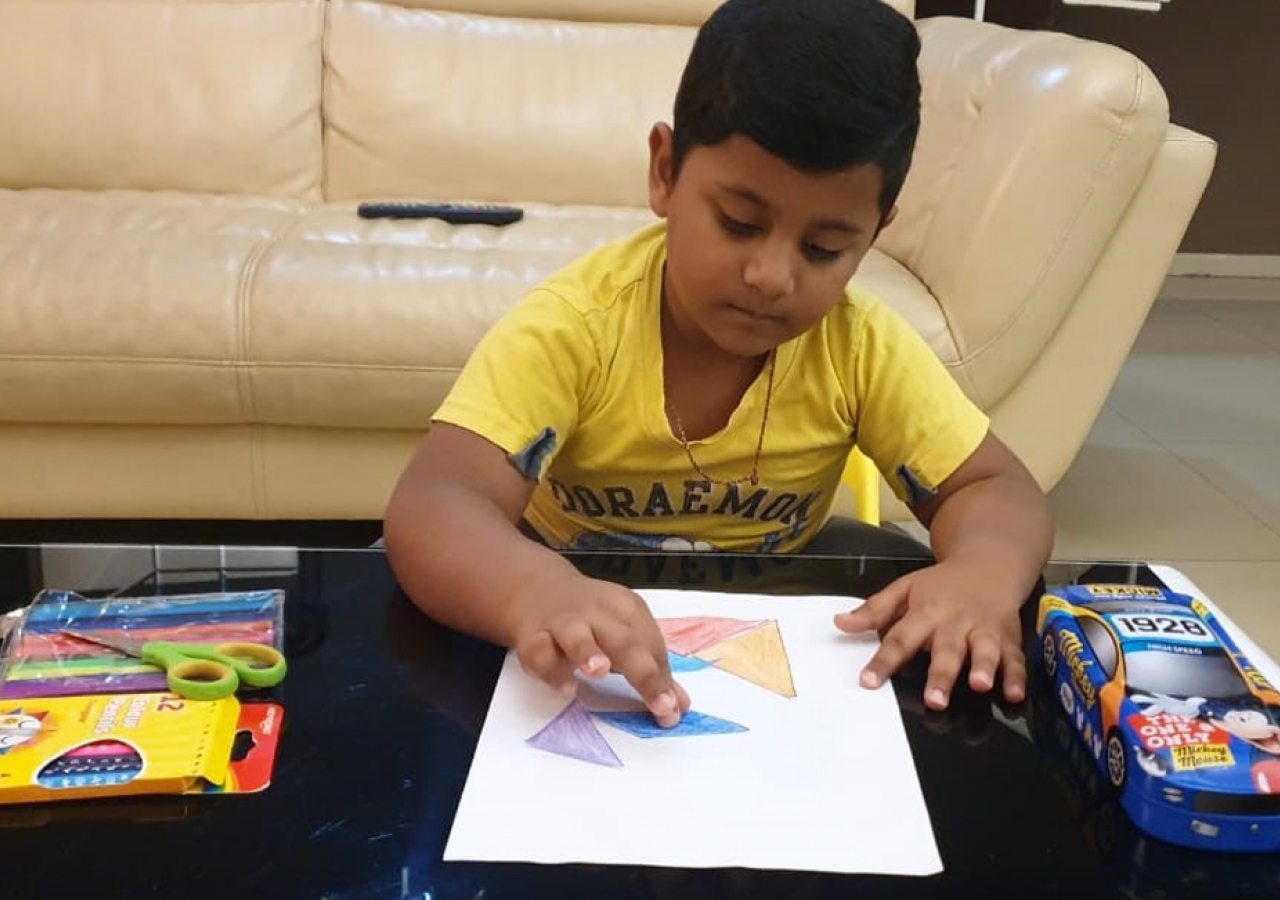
170	309
214	97
126	307
342	309
427	104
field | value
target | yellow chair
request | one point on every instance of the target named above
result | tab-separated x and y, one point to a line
863	478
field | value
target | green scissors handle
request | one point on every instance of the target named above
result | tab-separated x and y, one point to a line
210	672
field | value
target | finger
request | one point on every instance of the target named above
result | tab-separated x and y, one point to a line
1014	666
635	646
900	643
540	656
579	644
880	610
682	698
946	659
984	660
652	678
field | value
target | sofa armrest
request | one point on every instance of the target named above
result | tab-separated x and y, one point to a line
1032	146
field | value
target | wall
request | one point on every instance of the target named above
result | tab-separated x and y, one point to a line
1215	61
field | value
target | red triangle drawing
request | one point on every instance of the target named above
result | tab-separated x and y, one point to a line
687	635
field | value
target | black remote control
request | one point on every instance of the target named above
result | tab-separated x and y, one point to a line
453	213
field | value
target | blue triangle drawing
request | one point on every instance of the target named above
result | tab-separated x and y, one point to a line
686	663
572	733
692	723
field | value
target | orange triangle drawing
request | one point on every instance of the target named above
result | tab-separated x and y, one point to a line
757	656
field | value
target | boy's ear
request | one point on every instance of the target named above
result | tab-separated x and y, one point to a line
888	218
661	176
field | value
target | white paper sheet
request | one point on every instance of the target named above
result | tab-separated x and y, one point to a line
822	780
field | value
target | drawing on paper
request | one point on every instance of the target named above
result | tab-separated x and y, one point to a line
686	636
572	733
752	650
642	724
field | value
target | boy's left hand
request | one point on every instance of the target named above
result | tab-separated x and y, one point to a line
951	610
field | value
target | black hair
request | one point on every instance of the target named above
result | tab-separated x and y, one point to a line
822	84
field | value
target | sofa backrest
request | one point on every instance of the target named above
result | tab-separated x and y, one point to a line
421	103
232	97
546	104
660	12
165	95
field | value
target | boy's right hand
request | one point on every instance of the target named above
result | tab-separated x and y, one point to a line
582	624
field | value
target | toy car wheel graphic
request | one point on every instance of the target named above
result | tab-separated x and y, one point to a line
1117	761
1049	650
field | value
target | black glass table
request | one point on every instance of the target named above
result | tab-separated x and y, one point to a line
383	710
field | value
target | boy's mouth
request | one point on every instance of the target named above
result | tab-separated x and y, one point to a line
753	315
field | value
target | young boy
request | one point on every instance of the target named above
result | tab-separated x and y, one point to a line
700	384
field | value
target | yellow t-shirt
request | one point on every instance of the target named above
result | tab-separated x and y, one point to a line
569	383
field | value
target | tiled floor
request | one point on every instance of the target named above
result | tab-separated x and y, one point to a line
1183	465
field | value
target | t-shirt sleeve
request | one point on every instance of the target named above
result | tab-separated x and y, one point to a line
524	384
912	419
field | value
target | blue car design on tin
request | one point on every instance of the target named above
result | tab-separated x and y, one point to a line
1175	715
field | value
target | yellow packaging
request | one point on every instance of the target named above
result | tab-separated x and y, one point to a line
64	748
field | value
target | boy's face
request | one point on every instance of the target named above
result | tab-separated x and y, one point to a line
757	250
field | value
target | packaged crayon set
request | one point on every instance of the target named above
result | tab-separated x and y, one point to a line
39	660
79	719
65	748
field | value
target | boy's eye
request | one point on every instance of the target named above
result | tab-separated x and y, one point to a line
738	227
820	254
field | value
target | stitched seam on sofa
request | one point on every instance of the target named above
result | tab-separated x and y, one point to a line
130	360
258	465
957	334
326	27
963	376
244	288
957	159
1028	41
1053	258
244	371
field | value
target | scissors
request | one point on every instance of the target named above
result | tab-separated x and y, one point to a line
203	671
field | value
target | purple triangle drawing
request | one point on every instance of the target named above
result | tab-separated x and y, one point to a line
572	733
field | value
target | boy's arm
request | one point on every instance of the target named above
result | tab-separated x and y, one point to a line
453	543
992	510
450	517
992	534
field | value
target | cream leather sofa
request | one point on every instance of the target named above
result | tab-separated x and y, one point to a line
194	323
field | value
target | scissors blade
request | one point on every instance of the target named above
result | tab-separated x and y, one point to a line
129	648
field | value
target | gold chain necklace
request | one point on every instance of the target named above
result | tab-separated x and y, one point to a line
754	477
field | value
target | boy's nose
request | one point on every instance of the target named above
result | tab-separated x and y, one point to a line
769	270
